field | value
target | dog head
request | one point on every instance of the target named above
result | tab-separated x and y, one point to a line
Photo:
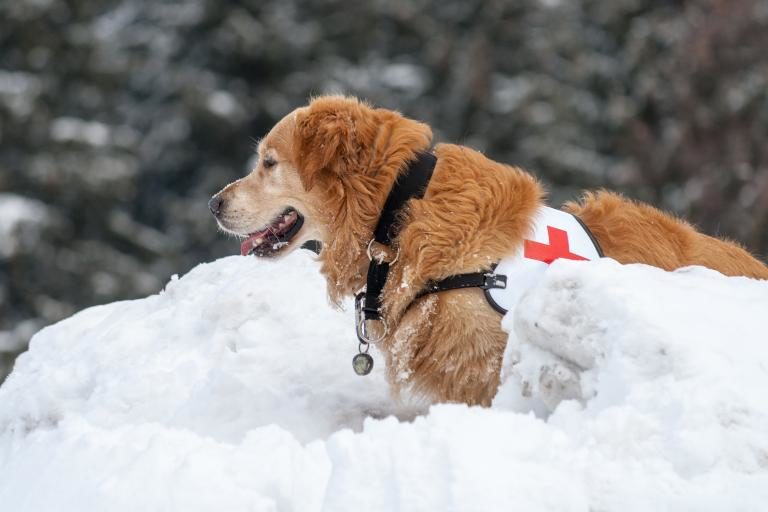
323	173
270	207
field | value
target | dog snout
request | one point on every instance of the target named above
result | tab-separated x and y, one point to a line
215	204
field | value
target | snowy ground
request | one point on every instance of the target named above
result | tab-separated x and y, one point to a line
232	390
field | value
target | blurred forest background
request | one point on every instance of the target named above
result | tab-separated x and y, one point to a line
119	118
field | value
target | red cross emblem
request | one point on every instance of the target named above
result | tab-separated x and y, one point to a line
558	247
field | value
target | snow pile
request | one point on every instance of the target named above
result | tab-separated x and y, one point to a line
232	390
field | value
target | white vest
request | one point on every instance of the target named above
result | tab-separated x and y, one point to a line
555	234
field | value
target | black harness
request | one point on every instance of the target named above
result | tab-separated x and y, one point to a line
411	184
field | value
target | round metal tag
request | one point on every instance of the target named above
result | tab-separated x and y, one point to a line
362	364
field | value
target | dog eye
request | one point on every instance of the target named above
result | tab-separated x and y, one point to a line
269	162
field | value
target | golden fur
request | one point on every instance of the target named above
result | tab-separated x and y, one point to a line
337	159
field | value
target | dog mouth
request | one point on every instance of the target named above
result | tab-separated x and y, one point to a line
275	237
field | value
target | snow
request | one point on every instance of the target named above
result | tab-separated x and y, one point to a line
19	91
71	129
21	219
222	103
233	390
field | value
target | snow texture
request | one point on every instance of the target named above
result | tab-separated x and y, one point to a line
233	390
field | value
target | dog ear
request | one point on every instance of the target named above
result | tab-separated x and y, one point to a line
327	138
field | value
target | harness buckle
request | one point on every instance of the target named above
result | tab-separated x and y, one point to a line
361	326
492	280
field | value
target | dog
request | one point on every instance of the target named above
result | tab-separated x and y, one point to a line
324	173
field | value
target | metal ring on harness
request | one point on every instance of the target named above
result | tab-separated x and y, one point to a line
370	256
362	331
360	323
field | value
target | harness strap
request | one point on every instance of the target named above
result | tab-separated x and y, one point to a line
590	235
377	278
484	280
411	184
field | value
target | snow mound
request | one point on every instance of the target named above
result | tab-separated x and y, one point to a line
233	390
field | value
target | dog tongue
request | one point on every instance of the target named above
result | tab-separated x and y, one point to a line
247	246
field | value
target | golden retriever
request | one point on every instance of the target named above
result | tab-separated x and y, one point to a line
324	173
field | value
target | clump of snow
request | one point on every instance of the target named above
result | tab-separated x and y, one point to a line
14	340
222	103
405	77
18	91
71	129
21	220
233	390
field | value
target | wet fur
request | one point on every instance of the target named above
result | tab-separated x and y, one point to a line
446	346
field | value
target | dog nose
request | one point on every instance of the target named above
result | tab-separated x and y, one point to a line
215	204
